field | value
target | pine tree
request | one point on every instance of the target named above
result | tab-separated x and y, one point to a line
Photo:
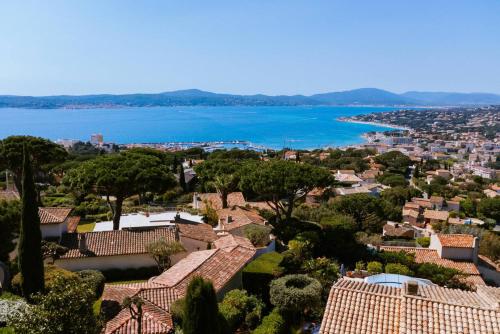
175	164
200	309
182	178
30	237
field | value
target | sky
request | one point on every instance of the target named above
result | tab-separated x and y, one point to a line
248	47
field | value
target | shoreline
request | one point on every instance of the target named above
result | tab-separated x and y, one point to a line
386	125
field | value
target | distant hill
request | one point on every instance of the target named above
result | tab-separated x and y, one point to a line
364	96
195	97
443	98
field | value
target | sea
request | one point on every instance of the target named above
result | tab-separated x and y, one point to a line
297	127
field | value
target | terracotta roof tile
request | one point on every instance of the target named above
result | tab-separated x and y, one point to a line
236	217
426	255
73	223
358	307
200	231
233	241
456	240
436	214
108	243
50	215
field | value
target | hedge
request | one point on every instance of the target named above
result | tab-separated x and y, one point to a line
273	323
258	274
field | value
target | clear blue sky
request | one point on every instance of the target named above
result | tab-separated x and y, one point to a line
258	46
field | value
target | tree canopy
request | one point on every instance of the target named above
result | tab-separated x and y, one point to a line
282	183
10	216
120	175
44	155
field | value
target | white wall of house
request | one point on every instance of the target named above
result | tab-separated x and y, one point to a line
454	253
53	230
112	262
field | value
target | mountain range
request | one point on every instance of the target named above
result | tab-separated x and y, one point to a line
195	97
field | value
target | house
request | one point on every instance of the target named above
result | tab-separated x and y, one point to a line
437	202
456	246
395	230
55	221
484	172
411	216
435	216
141	220
453	205
355	306
371	189
106	250
9	195
195	237
236	219
443	173
222	266
423	202
214	200
290	155
347	176
490	193
456	251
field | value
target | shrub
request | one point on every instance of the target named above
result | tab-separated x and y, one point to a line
238	308
51	272
424	241
273	323
397	268
177	311
374	267
259	273
94	279
258	235
294	294
402	257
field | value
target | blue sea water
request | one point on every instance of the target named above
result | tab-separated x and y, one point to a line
274	127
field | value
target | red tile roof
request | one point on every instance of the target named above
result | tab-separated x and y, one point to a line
109	243
238	217
50	215
217	265
426	255
456	240
198	231
356	307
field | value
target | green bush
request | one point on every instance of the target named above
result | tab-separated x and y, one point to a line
93	279
51	273
424	241
238	308
258	235
293	294
402	257
397	268
177	311
374	267
273	323
259	273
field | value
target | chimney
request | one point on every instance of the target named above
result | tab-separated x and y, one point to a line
177	217
412	288
82	243
195	201
229	219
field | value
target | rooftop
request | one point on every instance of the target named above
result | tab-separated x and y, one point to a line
53	215
457	240
111	243
141	220
356	307
201	231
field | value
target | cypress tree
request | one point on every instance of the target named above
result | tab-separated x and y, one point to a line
182	178
30	237
175	163
201	312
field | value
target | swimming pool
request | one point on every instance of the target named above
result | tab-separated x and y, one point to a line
395	280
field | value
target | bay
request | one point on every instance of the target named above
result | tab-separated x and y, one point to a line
300	127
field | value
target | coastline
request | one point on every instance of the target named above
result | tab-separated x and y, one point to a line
386	125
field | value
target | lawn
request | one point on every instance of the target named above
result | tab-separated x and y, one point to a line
85	227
